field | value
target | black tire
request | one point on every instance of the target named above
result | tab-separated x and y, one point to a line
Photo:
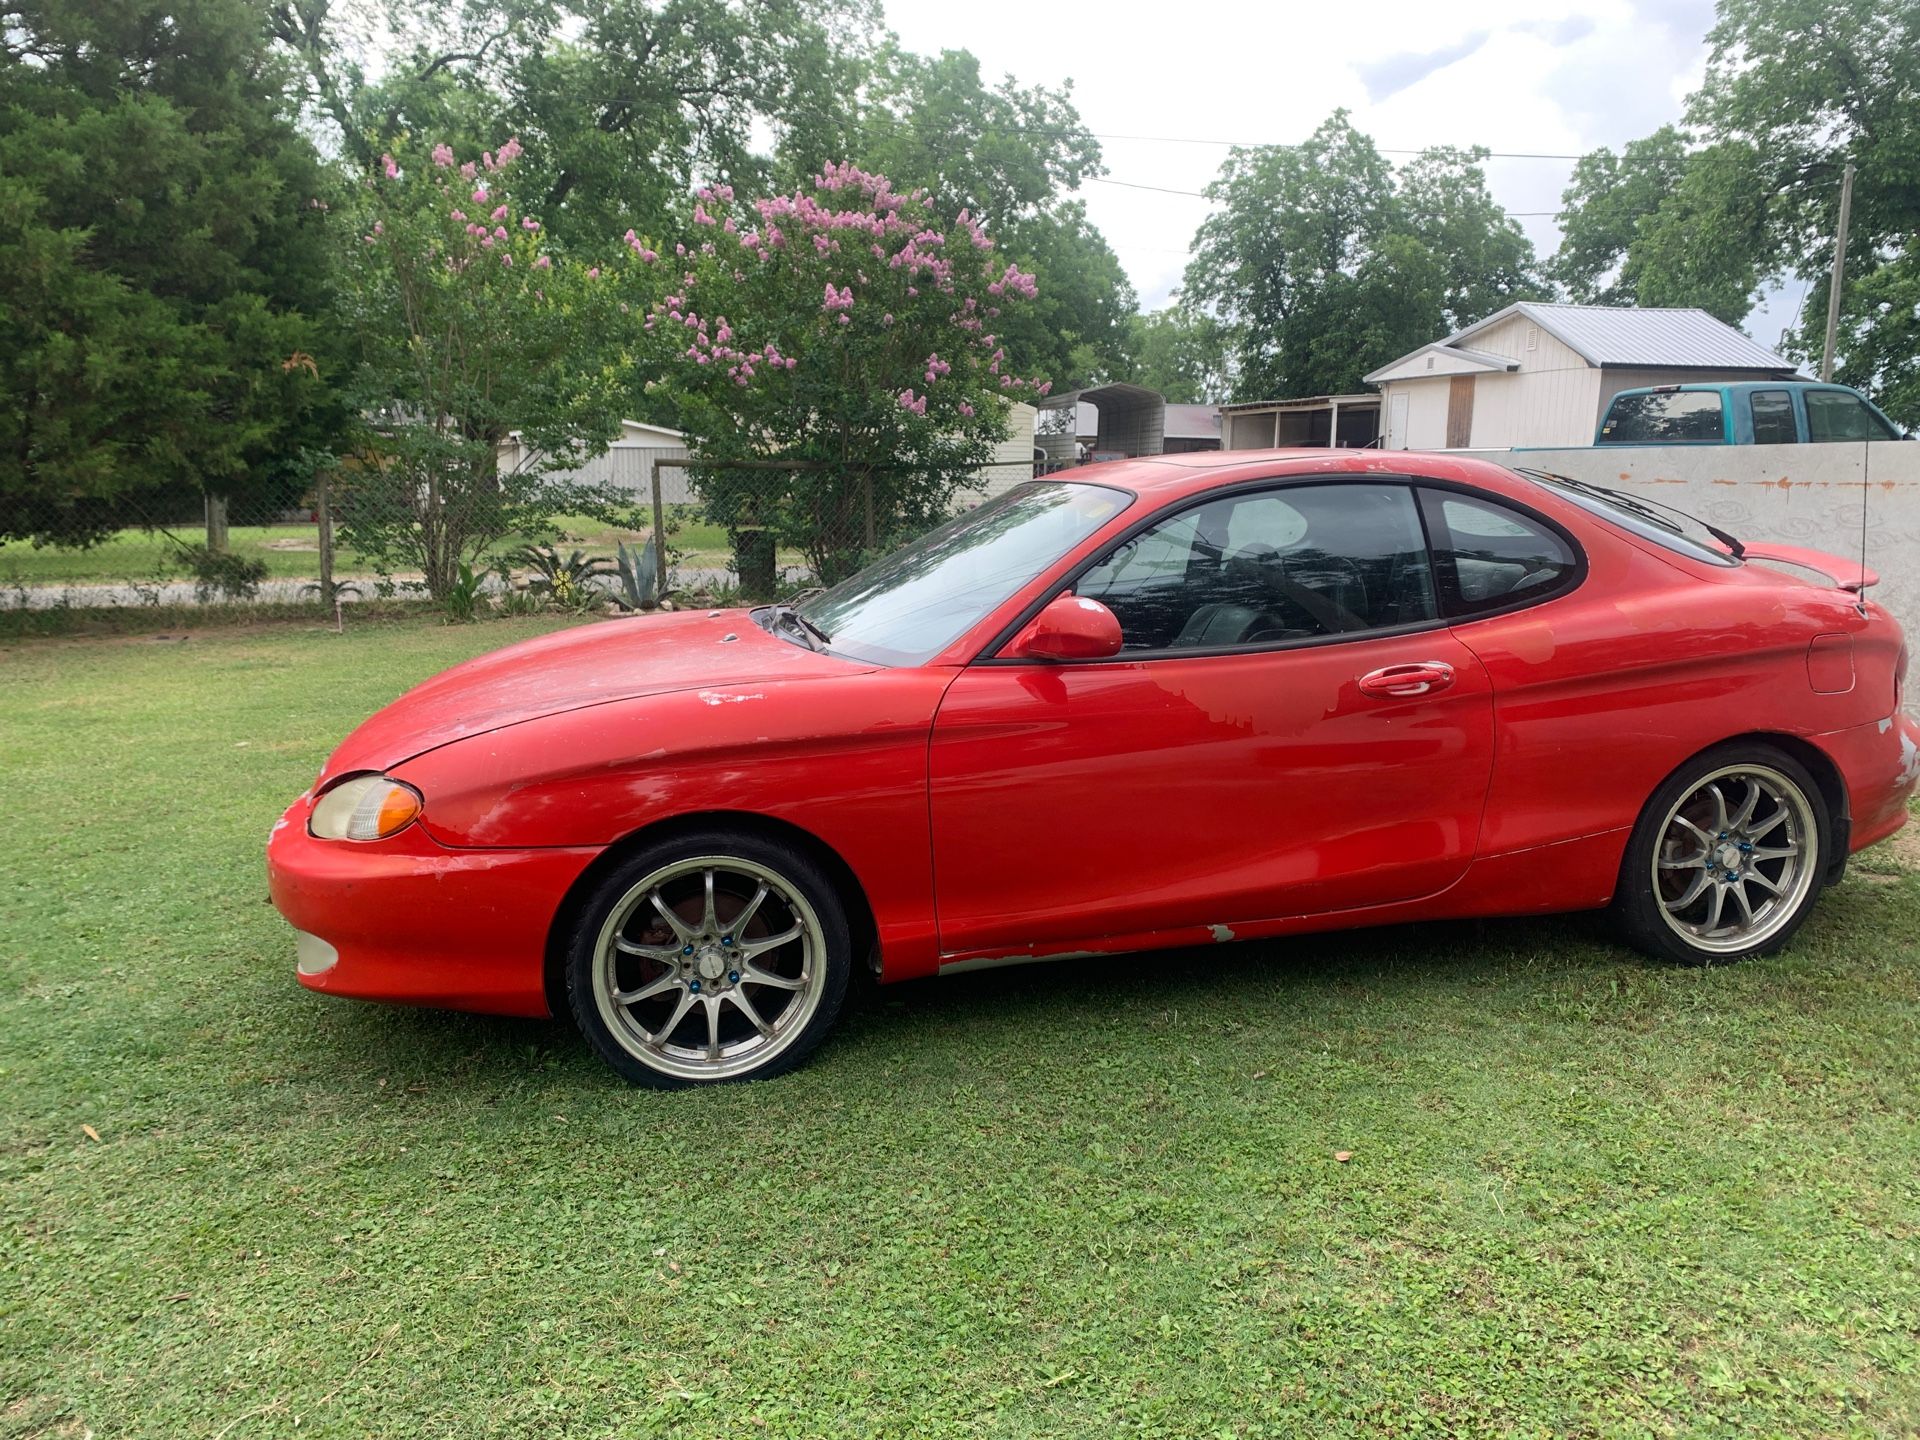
624	944
1647	909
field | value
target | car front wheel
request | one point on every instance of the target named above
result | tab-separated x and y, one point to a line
1726	860
708	957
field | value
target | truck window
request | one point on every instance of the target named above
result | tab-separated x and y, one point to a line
1773	422
1665	417
1838	415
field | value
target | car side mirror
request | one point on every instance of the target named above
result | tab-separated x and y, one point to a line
1069	628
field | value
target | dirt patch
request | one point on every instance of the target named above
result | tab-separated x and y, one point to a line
1905	846
308	545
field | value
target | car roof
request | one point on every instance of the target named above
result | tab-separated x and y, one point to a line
1160	478
1730	385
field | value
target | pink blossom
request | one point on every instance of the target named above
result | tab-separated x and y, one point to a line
844	319
378	228
480	195
1045	386
469	170
543	263
499	214
460	215
965	408
443	155
790	362
393	170
908	401
509	153
841	299
499	232
527	222
593	272
507	260
486	158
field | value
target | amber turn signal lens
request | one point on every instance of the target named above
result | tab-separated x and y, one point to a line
366	807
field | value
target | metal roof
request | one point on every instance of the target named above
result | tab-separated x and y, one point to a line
1302	402
1663	339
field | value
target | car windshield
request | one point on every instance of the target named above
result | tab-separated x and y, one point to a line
907	608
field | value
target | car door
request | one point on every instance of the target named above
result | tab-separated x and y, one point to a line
1289	729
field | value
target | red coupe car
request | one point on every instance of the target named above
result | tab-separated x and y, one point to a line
1160	702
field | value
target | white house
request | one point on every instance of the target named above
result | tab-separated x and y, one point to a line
1540	374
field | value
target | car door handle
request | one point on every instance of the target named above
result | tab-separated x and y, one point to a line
1400	682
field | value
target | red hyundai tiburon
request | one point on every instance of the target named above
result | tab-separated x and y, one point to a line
1154	703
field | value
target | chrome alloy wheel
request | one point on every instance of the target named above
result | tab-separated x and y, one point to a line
709	967
1735	857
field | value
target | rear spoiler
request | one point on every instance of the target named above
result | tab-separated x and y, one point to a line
1849	575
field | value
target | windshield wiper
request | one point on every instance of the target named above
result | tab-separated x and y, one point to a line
1646	509
797	625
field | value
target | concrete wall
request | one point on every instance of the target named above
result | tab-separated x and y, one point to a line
1790	494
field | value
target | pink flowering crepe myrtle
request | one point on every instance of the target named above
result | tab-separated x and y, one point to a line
463	240
883	269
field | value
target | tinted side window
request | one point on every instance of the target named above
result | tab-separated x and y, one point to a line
1836	415
1488	557
1773	422
1672	417
1270	567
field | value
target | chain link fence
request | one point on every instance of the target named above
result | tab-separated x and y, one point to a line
744	532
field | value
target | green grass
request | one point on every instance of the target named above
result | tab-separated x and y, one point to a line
292	552
1587	1195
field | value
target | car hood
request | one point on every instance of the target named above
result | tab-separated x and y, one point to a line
591	665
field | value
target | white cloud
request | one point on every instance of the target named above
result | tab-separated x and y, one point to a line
1555	77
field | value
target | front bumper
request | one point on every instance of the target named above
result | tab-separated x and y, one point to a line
1880	764
410	921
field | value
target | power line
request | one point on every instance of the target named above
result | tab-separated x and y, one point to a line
1202	195
1270	145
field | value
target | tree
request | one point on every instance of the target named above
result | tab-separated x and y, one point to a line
465	329
618	104
1665	223
161	249
1182	353
1749	190
1323	264
1010	156
846	331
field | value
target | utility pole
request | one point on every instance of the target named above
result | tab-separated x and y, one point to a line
1839	272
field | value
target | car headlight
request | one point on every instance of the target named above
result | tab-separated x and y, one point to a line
367	807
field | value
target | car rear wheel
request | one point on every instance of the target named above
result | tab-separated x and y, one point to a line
1726	860
709	957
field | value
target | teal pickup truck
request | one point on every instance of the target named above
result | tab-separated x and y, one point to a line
1749	412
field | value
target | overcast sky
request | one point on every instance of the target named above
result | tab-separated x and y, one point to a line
1558	77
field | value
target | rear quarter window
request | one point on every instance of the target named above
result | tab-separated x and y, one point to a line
1672	417
1489	557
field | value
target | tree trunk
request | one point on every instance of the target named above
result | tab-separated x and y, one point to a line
754	553
217	524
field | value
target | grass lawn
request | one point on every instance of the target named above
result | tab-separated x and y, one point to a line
292	552
1587	1195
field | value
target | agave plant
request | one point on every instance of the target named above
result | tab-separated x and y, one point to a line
571	582
638	572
